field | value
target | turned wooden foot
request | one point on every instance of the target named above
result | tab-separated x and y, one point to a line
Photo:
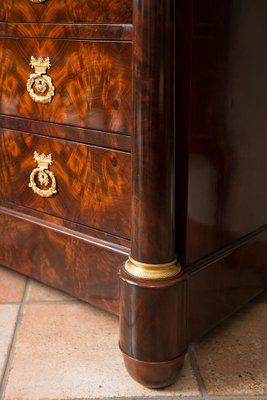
152	328
154	375
153	288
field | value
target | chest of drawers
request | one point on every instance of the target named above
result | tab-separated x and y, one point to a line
65	133
128	132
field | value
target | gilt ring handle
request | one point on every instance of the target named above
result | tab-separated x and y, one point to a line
39	85
43	176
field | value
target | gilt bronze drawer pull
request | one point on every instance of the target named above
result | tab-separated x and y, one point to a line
43	175
39	84
37	1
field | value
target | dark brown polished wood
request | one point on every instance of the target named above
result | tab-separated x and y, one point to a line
64	258
153	207
153	349
222	283
94	192
118	32
65	225
213	286
192	111
183	66
67	11
152	328
94	71
82	135
227	196
93	82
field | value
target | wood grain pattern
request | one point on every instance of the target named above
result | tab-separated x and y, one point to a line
82	135
67	11
93	183
92	81
116	32
104	54
80	266
66	226
153	237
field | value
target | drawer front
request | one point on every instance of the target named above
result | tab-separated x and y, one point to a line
91	82
92	186
67	11
73	263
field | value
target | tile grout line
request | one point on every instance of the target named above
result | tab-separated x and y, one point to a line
196	370
238	397
74	301
202	386
141	397
56	302
12	346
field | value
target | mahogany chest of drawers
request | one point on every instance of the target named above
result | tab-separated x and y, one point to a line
133	162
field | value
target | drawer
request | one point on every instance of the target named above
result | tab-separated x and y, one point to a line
92	185
67	11
83	83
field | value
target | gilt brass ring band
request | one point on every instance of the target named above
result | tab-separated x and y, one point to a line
152	271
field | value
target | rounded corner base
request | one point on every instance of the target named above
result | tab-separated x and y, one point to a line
154	375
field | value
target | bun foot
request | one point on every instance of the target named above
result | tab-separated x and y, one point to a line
154	375
152	328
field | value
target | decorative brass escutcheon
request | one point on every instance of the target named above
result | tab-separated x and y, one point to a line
40	82
44	176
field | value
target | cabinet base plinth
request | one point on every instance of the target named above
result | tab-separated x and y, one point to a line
154	375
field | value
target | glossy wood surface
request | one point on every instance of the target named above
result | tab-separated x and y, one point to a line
157	319
77	264
67	11
93	82
152	318
152	328
183	67
228	124
202	95
223	283
118	32
154	375
117	85
93	183
66	226
82	135
153	207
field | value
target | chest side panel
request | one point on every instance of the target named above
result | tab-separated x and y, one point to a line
228	136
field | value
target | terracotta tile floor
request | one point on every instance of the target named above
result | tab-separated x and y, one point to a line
55	347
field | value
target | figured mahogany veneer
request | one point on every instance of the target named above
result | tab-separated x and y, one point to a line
93	82
67	11
93	183
123	32
82	135
158	135
79	264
